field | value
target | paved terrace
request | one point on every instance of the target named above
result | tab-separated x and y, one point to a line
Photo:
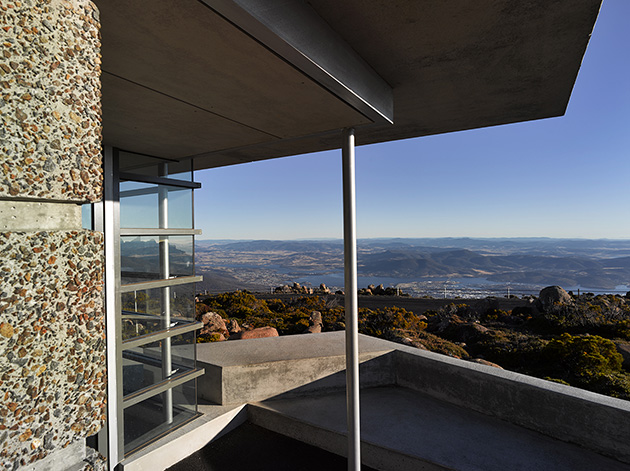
419	410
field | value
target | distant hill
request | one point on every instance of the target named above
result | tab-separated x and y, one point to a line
218	281
538	261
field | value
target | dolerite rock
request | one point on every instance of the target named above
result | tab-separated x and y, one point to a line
213	323
258	333
315	323
469	332
553	295
296	288
623	347
233	327
438	324
323	289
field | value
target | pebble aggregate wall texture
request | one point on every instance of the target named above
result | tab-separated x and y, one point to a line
52	331
53	342
50	137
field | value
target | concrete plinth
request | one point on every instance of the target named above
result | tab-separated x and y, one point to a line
254	370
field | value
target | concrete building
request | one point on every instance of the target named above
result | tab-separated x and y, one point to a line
109	106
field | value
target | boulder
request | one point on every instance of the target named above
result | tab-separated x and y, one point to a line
259	333
438	324
323	289
315	323
469	332
284	289
213	323
553	295
295	288
623	347
233	327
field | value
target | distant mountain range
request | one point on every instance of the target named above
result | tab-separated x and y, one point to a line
596	264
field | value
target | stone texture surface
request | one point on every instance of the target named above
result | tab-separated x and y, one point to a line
52	339
50	132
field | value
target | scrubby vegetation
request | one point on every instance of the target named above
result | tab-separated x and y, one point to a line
574	341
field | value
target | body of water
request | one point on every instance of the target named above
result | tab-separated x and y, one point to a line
445	286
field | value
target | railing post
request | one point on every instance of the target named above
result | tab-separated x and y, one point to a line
351	302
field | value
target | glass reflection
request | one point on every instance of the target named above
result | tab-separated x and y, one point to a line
146	165
139	206
146	420
140	257
143	310
142	366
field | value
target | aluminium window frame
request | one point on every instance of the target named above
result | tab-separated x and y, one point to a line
106	218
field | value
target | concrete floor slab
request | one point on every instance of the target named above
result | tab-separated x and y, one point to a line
407	430
216	421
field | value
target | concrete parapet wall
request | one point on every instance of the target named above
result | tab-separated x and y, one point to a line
596	422
314	365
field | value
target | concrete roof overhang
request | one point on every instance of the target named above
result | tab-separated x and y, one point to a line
232	81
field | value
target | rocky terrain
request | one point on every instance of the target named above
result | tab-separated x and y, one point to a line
583	341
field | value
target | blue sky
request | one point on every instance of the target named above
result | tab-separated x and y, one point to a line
559	177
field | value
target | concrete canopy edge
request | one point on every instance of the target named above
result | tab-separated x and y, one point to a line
300	36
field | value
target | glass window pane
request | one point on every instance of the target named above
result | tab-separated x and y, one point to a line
142	366
141	164
139	206
148	420
145	165
140	257
181	170
148	306
86	216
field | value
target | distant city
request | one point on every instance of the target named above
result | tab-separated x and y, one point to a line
434	267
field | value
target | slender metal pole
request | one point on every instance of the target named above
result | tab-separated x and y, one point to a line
165	293
351	302
111	228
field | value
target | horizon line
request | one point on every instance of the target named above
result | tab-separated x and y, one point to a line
323	239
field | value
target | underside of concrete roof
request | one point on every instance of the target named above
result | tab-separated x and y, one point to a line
229	81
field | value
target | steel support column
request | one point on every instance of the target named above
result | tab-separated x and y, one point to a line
351	301
111	228
165	293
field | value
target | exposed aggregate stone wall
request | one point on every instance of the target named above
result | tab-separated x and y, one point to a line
52	330
52	370
50	132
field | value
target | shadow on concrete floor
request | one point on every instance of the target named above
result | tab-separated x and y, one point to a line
251	447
